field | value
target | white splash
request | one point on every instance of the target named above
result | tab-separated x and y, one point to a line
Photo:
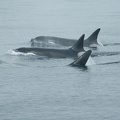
12	52
99	43
95	45
90	62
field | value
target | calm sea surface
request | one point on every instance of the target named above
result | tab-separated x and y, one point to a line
34	88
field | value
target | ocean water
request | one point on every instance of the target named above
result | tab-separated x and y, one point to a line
37	88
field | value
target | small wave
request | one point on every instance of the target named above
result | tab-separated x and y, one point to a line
112	44
109	63
30	56
99	54
12	52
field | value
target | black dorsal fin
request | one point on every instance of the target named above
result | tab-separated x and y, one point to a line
82	60
78	46
92	39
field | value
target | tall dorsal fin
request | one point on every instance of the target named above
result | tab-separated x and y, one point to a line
78	46
92	39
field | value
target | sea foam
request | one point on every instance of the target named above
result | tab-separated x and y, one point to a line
15	53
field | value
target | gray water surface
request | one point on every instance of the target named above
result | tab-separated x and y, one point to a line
35	88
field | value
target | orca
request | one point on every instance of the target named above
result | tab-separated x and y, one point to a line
82	60
56	53
91	41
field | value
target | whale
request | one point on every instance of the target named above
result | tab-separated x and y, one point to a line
91	41
56	53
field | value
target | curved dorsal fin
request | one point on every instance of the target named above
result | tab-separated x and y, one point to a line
82	60
92	39
78	46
